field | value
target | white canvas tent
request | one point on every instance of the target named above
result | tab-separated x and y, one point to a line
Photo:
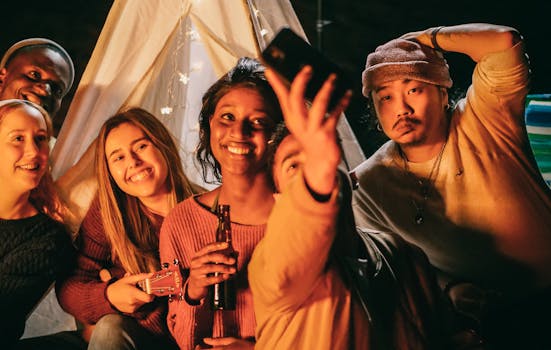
161	55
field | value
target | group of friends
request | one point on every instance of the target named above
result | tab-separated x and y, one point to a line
440	240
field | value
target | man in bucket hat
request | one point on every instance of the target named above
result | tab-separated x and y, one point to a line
461	181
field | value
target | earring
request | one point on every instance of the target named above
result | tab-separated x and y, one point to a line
379	128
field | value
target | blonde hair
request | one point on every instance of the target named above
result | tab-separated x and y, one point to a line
128	224
43	197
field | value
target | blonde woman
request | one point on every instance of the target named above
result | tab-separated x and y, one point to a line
140	178
35	247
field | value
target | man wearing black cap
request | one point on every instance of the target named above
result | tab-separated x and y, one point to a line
38	70
461	181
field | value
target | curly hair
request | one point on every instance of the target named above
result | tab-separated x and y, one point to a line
247	73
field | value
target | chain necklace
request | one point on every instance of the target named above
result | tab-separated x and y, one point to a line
424	184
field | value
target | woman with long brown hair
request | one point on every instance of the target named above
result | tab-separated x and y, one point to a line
140	179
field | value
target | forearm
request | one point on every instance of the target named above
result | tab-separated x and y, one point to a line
84	299
473	39
293	253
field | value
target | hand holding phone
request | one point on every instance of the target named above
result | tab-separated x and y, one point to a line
288	53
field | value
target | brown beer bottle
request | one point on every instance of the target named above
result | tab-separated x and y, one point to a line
224	294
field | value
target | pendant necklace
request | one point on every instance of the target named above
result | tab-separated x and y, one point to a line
424	184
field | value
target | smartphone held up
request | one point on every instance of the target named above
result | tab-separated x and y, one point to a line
288	53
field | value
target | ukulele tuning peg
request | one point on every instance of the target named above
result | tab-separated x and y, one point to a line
176	262
165	265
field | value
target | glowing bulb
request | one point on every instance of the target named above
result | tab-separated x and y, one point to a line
193	35
184	78
166	110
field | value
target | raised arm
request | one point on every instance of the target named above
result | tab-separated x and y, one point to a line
302	223
473	39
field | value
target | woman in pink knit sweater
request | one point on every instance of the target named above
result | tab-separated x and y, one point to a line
238	116
140	178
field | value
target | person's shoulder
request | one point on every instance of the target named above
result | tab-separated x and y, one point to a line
375	168
381	156
50	234
189	204
187	209
92	223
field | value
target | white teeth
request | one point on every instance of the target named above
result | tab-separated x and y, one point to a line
239	150
30	166
140	176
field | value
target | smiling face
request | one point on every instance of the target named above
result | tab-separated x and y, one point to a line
411	112
40	75
240	128
136	164
24	149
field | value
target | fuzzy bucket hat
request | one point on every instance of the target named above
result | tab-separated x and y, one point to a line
404	59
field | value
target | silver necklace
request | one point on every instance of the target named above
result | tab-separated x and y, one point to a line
424	184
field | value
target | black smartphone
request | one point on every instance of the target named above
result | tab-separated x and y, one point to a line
288	53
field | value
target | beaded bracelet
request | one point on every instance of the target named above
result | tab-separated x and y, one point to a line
433	38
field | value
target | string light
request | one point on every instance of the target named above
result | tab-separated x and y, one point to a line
178	77
193	35
184	78
166	110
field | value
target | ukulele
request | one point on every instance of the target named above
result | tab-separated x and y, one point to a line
165	282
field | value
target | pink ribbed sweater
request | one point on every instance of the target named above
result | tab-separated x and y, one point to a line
186	229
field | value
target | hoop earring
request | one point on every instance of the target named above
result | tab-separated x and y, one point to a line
379	127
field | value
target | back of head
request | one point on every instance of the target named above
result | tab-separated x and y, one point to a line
34	43
247	73
401	59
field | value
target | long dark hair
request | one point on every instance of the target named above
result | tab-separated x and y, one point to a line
248	73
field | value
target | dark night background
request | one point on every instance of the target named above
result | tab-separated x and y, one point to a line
353	29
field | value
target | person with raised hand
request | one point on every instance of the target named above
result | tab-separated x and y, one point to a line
318	282
459	179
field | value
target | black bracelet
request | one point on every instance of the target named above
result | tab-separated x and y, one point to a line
320	198
433	39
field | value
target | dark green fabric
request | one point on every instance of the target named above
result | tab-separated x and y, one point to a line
34	251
